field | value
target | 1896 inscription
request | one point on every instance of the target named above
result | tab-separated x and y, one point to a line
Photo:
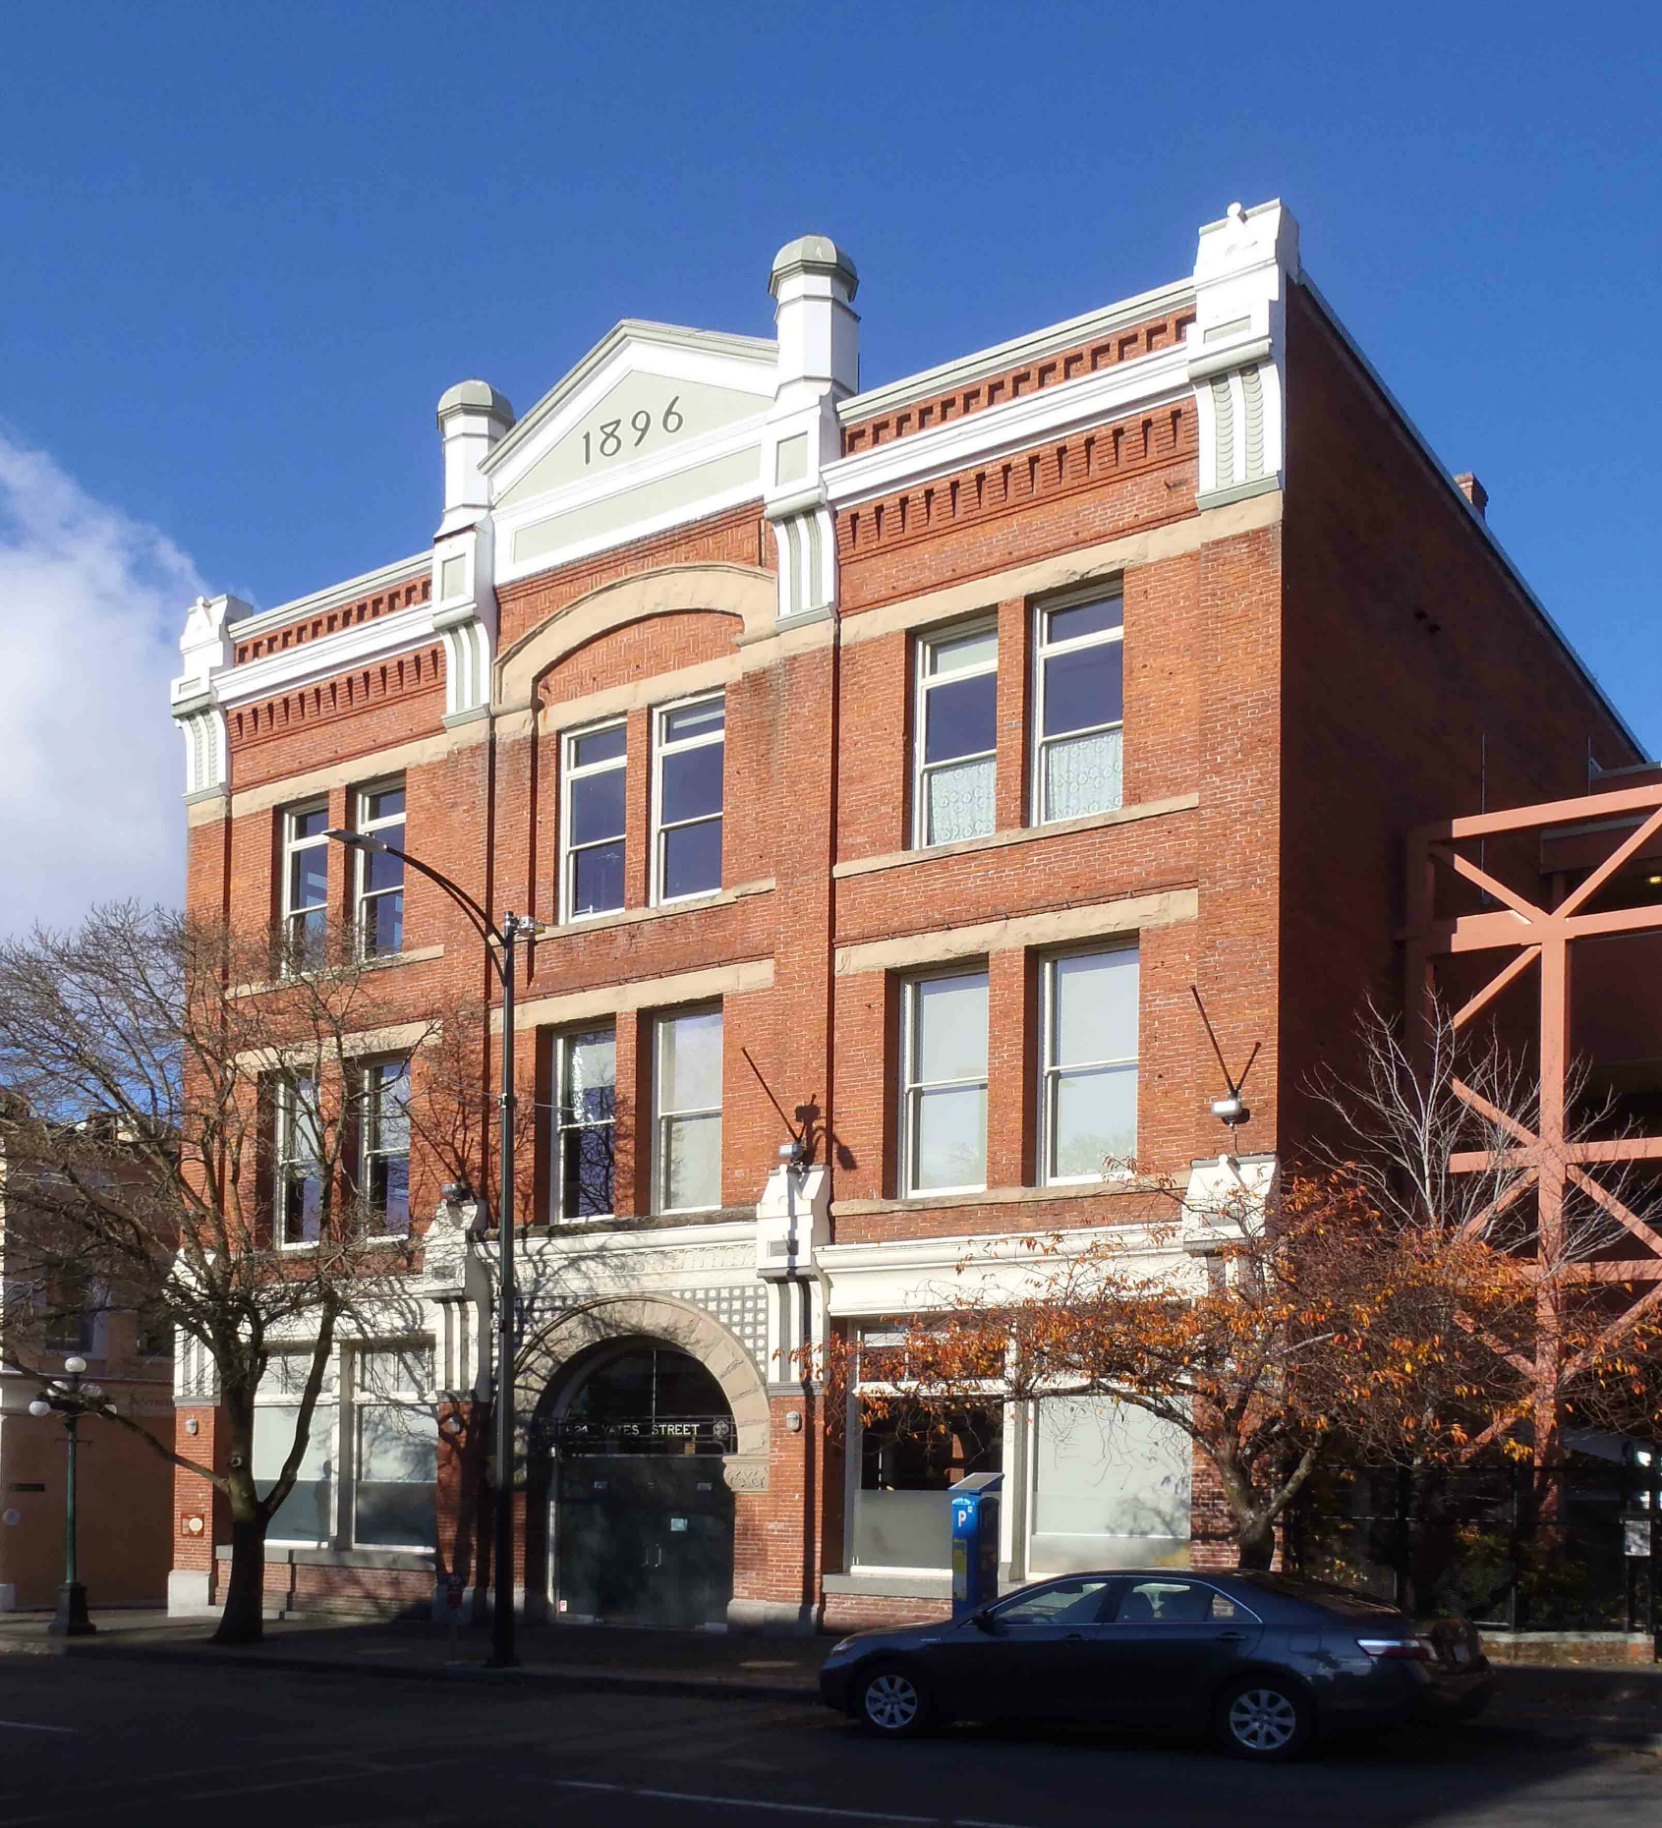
612	437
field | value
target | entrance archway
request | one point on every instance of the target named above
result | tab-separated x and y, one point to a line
642	1524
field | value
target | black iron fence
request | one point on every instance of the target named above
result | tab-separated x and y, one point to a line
1497	1543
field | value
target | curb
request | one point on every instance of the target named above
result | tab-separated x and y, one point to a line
557	1676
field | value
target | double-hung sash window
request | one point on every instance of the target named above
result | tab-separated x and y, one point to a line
380	882
585	1120
955	735
395	1450
595	775
687	799
686	1089
1079	709
299	1164
305	885
384	1147
1088	1111
943	1119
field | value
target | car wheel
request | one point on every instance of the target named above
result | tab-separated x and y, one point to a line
893	1701
1265	1718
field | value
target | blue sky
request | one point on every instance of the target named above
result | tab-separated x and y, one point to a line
246	247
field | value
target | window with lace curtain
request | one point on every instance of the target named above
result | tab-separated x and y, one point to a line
955	734
1078	708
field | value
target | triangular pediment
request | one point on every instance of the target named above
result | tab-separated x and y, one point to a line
644	393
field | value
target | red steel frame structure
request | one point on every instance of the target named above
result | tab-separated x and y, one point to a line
1541	939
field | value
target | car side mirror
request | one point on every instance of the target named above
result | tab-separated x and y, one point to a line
982	1620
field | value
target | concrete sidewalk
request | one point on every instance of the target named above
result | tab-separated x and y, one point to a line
639	1660
1536	1703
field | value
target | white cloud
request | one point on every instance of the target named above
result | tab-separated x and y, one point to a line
91	768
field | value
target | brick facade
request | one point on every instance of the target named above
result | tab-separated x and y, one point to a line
1314	657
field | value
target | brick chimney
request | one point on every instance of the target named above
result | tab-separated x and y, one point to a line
1474	492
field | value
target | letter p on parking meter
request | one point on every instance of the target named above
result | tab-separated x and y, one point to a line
974	1542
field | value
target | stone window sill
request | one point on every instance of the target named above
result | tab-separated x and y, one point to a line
627	917
386	962
280	1555
1026	834
640	1221
918	1583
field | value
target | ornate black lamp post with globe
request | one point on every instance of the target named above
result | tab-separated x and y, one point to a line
69	1396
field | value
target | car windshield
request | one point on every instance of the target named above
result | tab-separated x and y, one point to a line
1318	1593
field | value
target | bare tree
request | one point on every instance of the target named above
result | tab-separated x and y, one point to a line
261	1208
1446	1138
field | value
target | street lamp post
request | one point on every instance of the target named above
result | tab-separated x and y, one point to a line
499	949
68	1395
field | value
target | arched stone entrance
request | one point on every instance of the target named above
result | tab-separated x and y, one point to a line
652	1420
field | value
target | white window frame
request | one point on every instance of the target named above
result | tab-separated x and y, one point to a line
287	1116
880	1330
662	749
911	1087
367	1074
362	896
403	1397
570	773
293	847
562	1050
1044	651
662	1119
325	1431
1050	1074
922	685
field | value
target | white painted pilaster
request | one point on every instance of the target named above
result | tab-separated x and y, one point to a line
207	650
813	284
1237	350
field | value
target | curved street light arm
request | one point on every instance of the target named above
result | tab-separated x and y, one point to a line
483	925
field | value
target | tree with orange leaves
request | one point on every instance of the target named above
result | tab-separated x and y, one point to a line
1267	1332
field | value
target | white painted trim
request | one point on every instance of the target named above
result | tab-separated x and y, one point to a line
332	596
899	1275
662	749
369	643
668	340
732	440
570	774
923	683
912	1087
1151	381
1031	346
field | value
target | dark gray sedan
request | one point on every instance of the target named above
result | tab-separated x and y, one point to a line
1263	1661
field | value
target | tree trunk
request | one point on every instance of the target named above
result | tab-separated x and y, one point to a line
1255	1542
243	1619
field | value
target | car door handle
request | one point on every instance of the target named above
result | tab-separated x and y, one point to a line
1076	1637
1232	1637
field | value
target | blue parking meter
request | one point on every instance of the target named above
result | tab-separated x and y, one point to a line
974	1542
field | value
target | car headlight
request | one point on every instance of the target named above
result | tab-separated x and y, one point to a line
840	1646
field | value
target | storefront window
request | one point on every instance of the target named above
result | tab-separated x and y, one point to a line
306	1514
1110	1486
395	1471
909	1459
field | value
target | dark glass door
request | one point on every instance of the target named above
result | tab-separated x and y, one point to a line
644	1539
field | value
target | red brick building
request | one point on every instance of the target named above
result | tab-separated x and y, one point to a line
889	763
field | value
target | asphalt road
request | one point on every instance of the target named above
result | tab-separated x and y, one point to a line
85	1740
